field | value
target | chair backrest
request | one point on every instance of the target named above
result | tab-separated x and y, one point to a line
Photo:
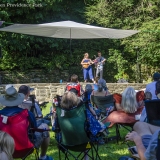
72	125
103	102
74	87
17	127
153	111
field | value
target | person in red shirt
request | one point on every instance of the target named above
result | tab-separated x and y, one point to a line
74	86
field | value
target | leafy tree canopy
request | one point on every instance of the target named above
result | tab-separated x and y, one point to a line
134	58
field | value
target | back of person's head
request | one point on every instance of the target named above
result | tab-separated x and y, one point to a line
129	102
148	96
158	89
88	88
74	78
69	100
156	76
24	89
6	144
101	85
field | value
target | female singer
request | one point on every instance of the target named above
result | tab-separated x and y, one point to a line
87	69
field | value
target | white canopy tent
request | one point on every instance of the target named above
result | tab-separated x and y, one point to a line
69	30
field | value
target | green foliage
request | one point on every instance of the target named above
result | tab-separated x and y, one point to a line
118	63
141	49
128	58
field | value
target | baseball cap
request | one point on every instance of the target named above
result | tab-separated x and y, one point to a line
24	89
156	75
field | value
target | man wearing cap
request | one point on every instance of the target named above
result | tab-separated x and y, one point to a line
11	100
151	87
27	103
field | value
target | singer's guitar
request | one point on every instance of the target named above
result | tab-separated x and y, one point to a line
87	64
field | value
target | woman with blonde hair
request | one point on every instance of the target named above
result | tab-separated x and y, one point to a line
6	146
87	68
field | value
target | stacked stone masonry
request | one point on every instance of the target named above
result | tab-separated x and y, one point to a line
46	91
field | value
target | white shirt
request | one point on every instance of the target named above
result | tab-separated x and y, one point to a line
151	87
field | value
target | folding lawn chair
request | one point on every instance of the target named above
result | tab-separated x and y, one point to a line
104	104
73	136
17	126
153	111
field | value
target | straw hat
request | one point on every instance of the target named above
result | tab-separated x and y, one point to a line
11	97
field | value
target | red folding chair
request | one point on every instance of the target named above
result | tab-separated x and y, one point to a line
17	126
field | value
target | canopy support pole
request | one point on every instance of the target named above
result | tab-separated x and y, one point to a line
70	43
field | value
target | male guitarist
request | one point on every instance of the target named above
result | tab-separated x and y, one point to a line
99	62
87	68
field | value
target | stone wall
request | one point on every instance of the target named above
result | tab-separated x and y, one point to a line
46	91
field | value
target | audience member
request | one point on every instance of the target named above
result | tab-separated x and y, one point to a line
91	87
11	100
70	101
27	103
148	96
145	136
130	100
128	107
151	87
6	146
102	89
74	86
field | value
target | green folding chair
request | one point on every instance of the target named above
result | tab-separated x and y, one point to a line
72	126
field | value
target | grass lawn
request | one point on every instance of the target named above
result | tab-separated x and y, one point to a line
109	151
